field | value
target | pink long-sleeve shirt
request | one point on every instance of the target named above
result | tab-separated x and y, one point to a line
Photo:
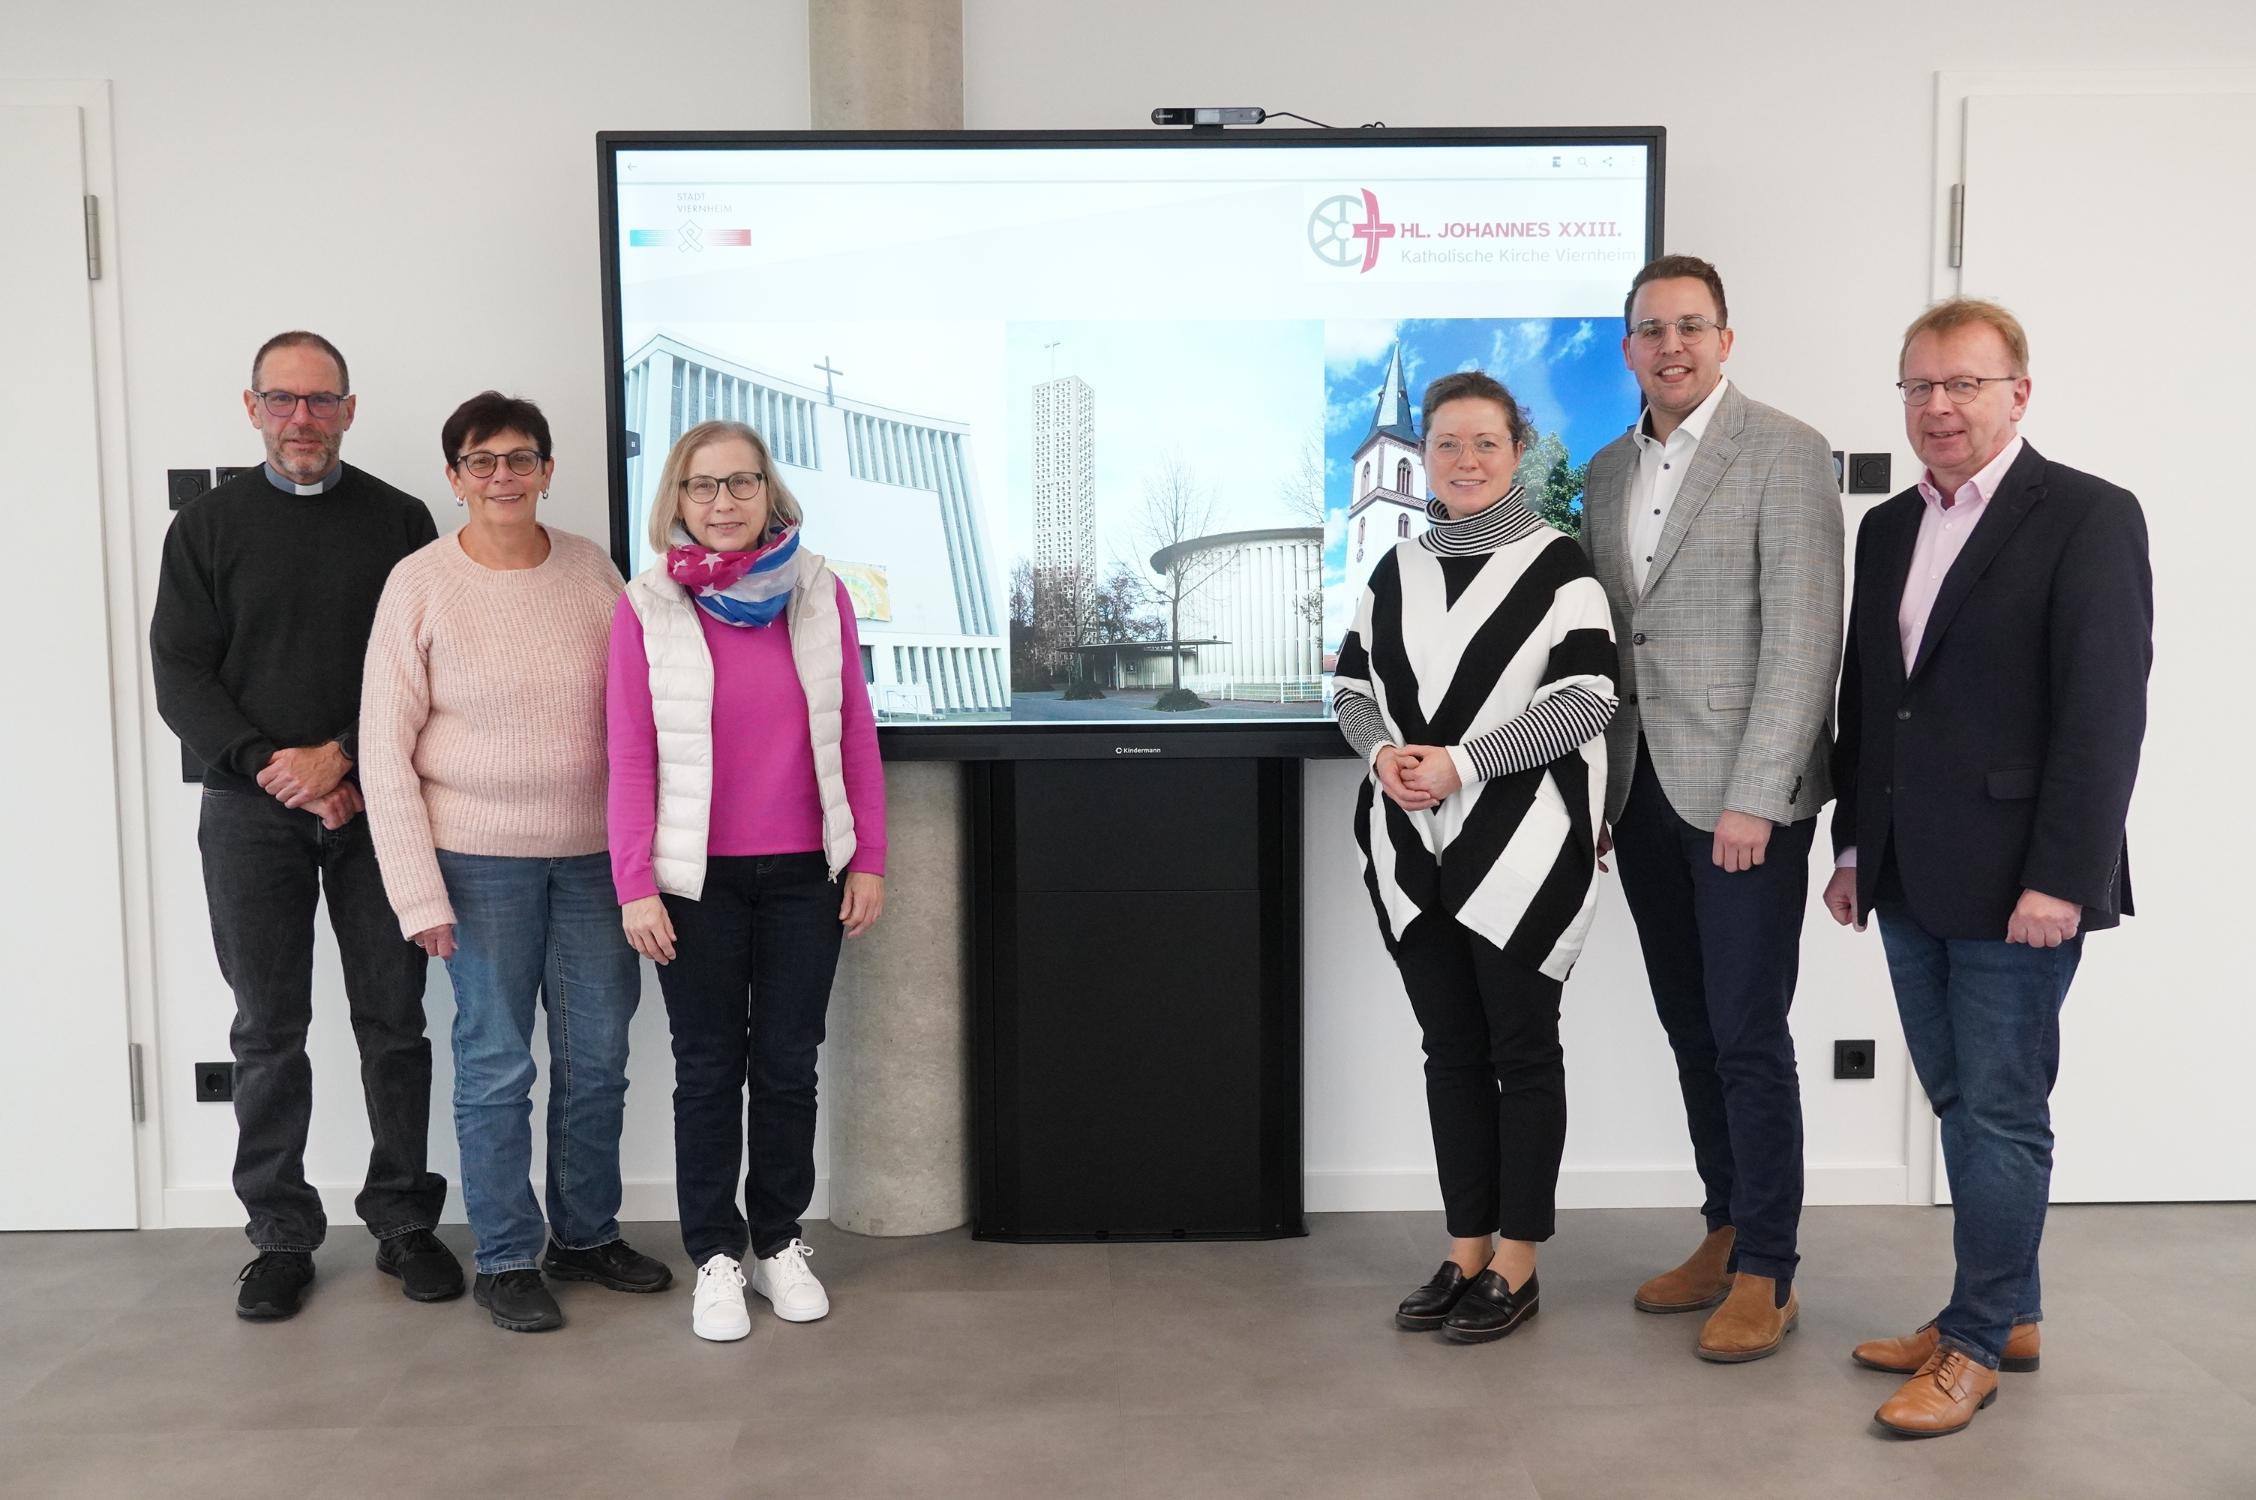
764	795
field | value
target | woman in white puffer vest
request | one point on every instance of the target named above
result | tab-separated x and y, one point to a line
747	823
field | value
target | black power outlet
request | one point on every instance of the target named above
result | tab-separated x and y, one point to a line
1869	474
184	485
229	473
215	1082
1852	1059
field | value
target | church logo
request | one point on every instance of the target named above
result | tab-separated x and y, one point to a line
1345	229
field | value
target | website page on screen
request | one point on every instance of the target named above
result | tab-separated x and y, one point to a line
1114	435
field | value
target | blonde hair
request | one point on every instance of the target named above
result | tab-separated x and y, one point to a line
1965	312
665	506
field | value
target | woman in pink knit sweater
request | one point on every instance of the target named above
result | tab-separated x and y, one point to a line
745	787
482	761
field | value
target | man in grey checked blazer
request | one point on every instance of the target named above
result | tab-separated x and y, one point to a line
1715	527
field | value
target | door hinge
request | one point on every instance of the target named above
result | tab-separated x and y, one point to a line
1958	225
93	238
133	1072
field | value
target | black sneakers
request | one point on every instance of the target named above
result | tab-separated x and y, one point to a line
519	1301
427	1269
617	1265
273	1284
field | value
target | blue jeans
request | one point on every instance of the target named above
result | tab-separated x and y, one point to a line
1982	1019
546	928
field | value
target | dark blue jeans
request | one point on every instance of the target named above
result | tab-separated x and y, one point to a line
266	869
1982	1019
1722	952
746	996
530	931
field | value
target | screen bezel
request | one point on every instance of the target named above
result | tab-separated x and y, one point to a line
1314	740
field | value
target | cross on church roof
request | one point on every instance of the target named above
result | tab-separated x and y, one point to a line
830	391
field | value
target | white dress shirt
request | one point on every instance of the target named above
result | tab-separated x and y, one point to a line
1660	474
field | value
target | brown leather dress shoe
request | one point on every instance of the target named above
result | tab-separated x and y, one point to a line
1941	1399
1750	1324
1904	1356
1699	1282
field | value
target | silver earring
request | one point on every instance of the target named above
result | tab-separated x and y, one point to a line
544	494
458	500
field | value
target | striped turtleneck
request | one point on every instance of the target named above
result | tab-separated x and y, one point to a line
1500	523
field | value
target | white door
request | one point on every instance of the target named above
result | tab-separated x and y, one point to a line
2118	226
66	1113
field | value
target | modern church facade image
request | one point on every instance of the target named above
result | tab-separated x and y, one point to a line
1402	808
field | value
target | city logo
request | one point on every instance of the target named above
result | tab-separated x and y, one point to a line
1340	222
692	238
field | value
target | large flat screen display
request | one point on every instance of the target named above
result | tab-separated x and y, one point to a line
1103	432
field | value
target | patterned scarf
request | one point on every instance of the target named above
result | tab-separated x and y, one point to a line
736	588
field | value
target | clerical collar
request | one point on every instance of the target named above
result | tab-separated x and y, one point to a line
289	486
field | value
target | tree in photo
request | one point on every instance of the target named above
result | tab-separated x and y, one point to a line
1553	482
1302	492
1178	509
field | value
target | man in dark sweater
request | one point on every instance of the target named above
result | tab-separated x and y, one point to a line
264	603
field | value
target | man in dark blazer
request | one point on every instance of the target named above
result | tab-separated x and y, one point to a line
1993	697
1715	527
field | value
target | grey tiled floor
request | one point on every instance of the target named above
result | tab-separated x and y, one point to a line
953	1368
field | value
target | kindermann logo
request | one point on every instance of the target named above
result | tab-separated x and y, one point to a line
1137	750
1338	223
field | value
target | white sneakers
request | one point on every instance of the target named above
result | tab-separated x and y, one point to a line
719	1313
783	1278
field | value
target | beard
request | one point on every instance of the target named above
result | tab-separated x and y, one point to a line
302	465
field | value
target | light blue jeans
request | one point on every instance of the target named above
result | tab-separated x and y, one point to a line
547	930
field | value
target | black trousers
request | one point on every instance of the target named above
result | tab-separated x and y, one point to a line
747	995
1722	952
266	869
1496	1079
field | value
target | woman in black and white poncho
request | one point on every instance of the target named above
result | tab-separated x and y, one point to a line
1477	681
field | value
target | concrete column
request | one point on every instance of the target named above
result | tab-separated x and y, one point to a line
885	64
895	1095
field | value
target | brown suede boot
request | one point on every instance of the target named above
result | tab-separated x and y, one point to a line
1699	1282
1941	1399
1750	1324
1904	1356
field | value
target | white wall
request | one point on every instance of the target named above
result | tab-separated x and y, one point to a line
1800	160
417	181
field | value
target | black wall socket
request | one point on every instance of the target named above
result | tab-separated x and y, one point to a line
1868	474
1852	1059
231	472
184	485
215	1082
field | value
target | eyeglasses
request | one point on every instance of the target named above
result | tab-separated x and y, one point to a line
1962	388
744	485
1451	447
322	404
481	464
1691	329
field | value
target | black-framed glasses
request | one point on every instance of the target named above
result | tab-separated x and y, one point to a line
1691	328
1961	388
481	464
322	404
744	484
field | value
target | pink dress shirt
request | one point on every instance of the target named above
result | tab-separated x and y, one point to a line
1943	529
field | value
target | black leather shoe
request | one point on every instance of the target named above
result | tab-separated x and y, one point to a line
272	1285
519	1301
427	1270
1423	1310
617	1265
1489	1310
